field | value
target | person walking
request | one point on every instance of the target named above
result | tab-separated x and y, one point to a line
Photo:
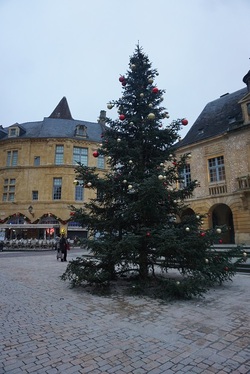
63	248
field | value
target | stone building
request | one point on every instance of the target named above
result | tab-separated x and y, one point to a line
219	146
37	173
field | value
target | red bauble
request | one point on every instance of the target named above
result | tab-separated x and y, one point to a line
184	121
96	154
124	83
226	268
148	234
122	117
220	241
202	233
155	90
122	78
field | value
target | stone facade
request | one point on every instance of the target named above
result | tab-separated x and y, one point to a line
28	168
223	199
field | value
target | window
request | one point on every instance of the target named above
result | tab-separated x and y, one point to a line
186	176
13	132
100	195
79	191
248	109
59	154
81	130
57	188
12	157
34	195
100	162
36	160
74	224
80	155
9	189
216	169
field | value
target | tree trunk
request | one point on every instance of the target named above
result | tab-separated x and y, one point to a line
143	262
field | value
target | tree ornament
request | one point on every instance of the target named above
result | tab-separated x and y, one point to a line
150	105
142	94
110	106
226	268
155	90
178	283
131	123
160	177
202	233
130	187
184	121
148	234
133	66
89	184
161	164
187	229
122	117
220	241
121	78
95	153
206	260
244	254
118	140
218	231
124	181
150	80
130	162
124	83
151	116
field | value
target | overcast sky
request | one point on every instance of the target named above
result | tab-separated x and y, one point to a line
78	49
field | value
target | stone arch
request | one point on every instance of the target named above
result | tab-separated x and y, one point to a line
220	214
187	212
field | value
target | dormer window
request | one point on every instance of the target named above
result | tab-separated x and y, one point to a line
81	130
248	109
13	132
245	108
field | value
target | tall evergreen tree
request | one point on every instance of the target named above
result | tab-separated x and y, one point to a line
134	222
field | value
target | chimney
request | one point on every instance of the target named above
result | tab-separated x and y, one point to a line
246	80
102	117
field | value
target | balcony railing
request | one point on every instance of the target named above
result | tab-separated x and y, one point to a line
243	182
218	189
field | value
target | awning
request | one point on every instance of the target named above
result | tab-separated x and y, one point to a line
28	226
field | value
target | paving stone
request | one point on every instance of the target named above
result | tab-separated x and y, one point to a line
49	328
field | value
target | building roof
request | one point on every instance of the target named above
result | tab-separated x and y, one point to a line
62	110
59	124
218	117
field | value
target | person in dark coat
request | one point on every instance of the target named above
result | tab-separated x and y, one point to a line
63	247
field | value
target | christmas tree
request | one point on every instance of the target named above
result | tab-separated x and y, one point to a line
134	222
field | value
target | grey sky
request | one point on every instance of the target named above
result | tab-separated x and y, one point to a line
78	49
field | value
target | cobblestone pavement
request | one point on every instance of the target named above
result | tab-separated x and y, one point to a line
48	328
